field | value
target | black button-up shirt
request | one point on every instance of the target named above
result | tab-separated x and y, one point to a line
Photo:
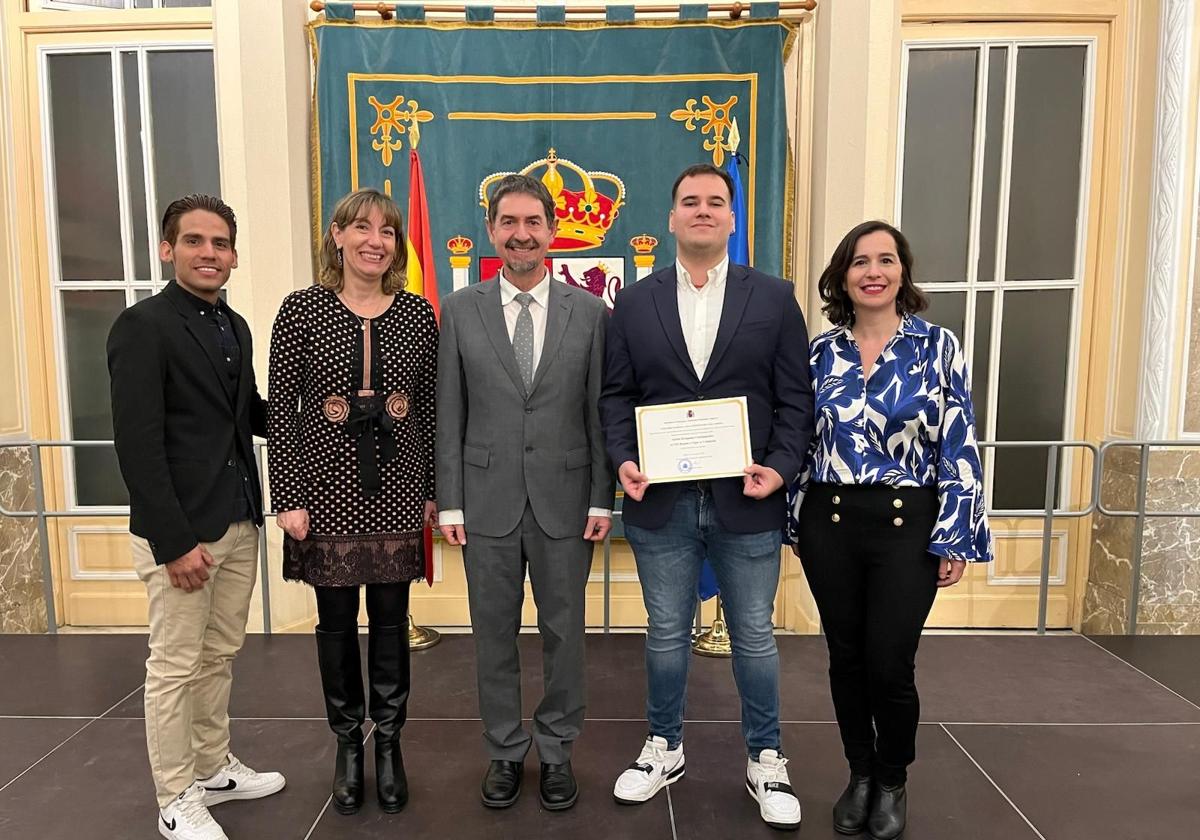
226	343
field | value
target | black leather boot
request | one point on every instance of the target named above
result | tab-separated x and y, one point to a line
388	675
889	812
850	811
341	682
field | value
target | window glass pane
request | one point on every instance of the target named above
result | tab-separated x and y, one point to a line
947	309
175	4
87	318
98	4
135	169
1046	152
183	105
1031	398
980	357
939	130
993	152
85	164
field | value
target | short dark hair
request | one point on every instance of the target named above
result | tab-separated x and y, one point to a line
522	184
196	201
702	169
838	308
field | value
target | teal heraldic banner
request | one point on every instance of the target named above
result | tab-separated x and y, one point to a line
605	115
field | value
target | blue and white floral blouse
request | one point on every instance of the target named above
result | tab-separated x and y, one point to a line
910	424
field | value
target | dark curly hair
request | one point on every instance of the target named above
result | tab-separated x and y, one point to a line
838	307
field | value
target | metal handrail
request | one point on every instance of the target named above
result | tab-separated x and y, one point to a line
1048	513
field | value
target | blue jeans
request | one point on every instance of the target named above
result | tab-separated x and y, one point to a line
747	567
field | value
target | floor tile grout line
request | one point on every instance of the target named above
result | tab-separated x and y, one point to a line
322	719
320	814
329	799
994	784
11	781
1143	673
671	813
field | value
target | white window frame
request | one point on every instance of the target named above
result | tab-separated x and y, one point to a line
75	6
130	284
973	285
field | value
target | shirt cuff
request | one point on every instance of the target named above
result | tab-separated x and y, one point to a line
451	517
607	514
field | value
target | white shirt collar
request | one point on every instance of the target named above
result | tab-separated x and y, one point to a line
540	292
716	275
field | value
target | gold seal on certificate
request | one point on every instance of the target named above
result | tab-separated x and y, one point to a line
690	441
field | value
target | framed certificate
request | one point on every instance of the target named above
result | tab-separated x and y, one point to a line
690	441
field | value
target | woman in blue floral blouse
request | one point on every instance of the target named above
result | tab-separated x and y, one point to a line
889	508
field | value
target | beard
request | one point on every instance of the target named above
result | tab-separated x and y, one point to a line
517	265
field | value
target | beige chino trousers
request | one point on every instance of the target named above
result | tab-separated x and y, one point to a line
194	637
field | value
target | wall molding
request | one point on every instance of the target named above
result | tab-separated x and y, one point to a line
1169	215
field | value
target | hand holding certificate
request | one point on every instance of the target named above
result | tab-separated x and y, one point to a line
691	441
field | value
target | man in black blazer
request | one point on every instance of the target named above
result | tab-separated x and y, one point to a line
184	406
704	329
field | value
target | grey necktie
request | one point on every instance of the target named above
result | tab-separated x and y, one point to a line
523	339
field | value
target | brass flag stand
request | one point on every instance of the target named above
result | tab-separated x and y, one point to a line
420	638
715	640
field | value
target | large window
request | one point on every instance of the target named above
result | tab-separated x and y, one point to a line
129	129
991	195
75	5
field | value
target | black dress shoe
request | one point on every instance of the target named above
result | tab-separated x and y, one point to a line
557	787
502	783
850	811
889	810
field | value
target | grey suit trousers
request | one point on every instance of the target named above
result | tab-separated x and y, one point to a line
558	571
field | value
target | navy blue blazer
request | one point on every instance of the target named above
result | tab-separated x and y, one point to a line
760	352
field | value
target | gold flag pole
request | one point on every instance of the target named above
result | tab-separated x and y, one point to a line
387	10
420	638
715	640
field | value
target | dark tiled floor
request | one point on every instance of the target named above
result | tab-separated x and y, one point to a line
1172	660
1053	730
1086	782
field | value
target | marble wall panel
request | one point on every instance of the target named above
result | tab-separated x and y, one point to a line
22	604
1169	592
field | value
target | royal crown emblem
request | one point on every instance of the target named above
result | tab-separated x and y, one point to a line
584	215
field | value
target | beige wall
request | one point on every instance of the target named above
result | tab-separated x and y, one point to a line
13	406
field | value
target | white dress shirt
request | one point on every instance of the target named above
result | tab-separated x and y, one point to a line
537	311
700	311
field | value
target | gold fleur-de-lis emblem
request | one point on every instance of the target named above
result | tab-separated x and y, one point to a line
392	121
716	117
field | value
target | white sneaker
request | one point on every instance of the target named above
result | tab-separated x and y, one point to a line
237	781
655	768
187	818
767	781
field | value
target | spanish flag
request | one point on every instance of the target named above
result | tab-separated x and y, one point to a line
422	277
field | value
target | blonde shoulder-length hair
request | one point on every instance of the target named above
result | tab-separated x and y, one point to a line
358	205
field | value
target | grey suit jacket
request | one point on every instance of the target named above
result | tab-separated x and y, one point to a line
498	446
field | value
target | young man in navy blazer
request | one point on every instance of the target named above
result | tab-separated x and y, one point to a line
703	329
185	404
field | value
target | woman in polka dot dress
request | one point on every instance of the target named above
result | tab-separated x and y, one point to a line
352	376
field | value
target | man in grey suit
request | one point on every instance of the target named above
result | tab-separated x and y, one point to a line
523	481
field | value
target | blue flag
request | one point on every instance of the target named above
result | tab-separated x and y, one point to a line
739	253
739	243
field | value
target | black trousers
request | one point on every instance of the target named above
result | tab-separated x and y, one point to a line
387	606
864	549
